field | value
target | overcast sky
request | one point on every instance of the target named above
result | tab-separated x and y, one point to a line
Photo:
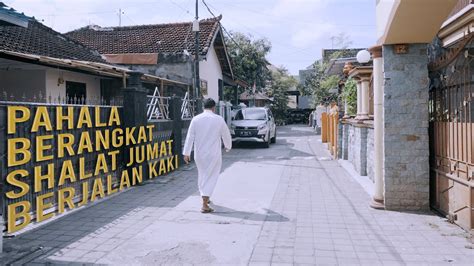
297	29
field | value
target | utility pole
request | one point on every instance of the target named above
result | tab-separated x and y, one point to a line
120	17
197	80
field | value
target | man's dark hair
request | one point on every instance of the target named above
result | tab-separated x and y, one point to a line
209	103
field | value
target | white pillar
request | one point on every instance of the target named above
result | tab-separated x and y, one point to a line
346	109
359	99
364	88
378	198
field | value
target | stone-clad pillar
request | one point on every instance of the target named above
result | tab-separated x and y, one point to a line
377	201
406	118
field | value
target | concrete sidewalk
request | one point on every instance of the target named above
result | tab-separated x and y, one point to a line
289	204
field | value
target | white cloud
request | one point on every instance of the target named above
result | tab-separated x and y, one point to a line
306	36
297	8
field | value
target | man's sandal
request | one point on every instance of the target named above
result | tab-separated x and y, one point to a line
207	210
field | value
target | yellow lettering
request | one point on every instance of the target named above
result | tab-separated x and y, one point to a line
14	150
163	151
85	194
65	142
13	119
162	167
150	131
97	118
101	164
114	117
14	216
129	138
84	117
85	143
124	180
41	206
41	147
152	151
60	117
41	120
117	137
170	164
170	147
113	155
97	189
102	140
141	135
63	199
82	169
67	172
137	175
152	170
39	177
140	154
24	187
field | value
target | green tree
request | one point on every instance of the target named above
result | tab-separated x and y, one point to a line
248	57
319	84
281	82
349	94
325	94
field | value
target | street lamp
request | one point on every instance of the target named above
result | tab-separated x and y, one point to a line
363	56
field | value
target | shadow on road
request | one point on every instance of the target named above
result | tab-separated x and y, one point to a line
270	215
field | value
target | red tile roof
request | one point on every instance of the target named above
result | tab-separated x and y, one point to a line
38	39
158	38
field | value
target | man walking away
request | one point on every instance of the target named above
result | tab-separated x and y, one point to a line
205	134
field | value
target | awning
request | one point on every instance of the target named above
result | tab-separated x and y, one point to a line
410	21
83	66
235	81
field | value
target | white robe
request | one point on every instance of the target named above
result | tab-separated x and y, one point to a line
205	134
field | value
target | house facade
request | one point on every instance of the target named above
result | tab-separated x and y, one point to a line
415	137
67	95
166	50
25	75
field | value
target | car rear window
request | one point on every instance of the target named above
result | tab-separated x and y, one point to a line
251	114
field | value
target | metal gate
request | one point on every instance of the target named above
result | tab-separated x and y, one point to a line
451	132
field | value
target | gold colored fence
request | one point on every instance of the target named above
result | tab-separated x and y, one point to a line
329	131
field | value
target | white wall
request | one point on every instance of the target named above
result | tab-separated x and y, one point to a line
210	70
54	90
383	11
22	83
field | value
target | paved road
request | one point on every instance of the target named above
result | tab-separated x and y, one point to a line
289	204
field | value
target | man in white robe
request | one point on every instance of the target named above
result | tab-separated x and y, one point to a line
206	134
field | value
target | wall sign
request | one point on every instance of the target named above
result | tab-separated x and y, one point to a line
51	164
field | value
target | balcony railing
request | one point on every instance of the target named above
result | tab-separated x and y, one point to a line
42	99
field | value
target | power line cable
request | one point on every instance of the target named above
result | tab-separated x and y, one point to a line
273	42
222	26
181	7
